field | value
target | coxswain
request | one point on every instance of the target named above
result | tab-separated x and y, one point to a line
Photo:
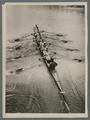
52	65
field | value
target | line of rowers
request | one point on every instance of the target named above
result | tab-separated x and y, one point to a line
44	50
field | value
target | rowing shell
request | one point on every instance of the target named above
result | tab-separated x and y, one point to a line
53	73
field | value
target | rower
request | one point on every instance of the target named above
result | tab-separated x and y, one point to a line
43	46
50	60
52	65
46	56
35	35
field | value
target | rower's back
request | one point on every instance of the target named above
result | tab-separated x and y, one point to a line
53	65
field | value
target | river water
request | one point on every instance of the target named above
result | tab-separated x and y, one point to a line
35	80
21	19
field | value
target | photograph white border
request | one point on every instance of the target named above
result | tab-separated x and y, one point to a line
42	115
